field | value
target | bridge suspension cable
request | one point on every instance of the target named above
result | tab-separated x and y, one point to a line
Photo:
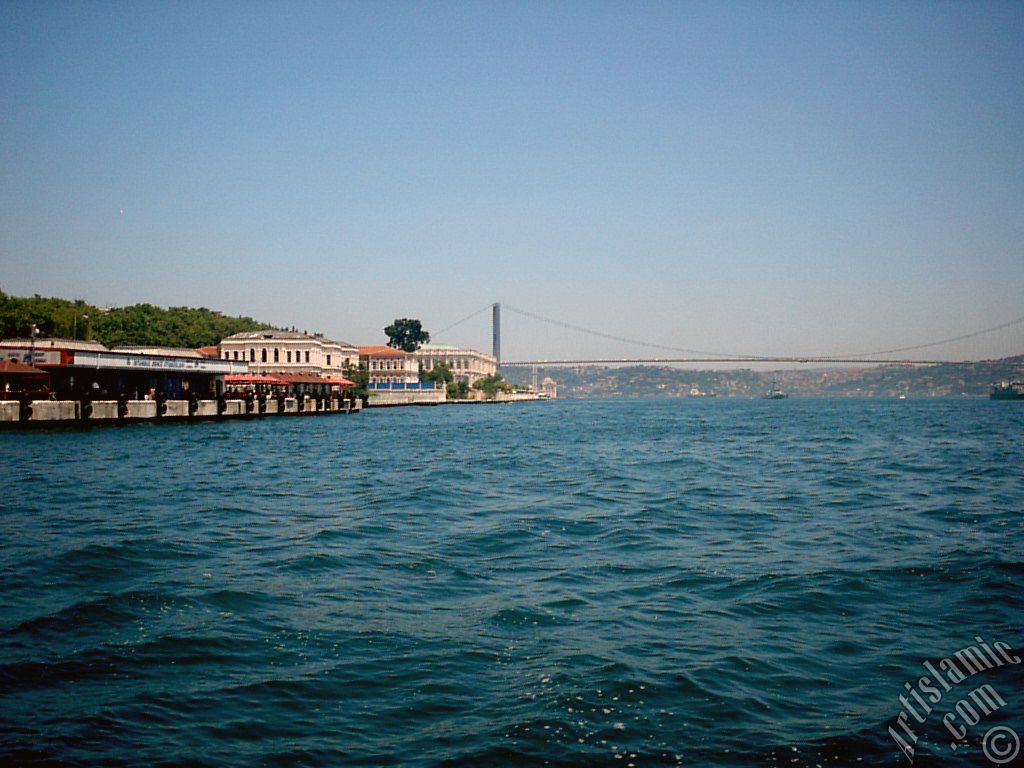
460	322
950	340
623	339
763	358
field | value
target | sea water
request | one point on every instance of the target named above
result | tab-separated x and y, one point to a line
666	582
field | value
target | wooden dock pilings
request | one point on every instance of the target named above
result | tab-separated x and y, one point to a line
41	413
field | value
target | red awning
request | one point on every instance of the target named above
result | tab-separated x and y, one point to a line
14	368
308	378
244	379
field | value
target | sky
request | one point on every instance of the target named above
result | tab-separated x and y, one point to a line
746	177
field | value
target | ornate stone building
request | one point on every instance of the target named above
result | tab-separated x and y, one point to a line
388	366
284	352
467	365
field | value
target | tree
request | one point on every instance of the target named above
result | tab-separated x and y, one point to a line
457	390
492	385
439	374
361	376
141	324
406	334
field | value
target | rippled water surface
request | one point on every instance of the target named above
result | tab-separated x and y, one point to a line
685	582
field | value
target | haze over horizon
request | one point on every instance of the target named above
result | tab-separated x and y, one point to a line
767	179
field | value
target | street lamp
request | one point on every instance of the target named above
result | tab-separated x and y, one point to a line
74	327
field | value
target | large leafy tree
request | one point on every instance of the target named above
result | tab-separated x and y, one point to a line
141	324
407	334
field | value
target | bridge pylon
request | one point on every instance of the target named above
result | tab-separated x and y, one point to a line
496	331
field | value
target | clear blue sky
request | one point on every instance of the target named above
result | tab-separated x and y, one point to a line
738	176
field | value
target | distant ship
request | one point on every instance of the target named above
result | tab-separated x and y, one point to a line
1007	390
775	393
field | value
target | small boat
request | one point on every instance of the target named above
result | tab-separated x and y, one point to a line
1007	390
775	393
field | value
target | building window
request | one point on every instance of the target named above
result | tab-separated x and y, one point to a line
307	355
288	355
263	355
252	355
236	354
328	360
277	355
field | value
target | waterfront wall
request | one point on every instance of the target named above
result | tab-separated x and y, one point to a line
383	398
57	412
499	397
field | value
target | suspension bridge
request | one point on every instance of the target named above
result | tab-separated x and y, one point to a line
681	355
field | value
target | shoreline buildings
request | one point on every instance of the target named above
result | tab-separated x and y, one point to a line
468	365
248	373
388	366
289	352
87	368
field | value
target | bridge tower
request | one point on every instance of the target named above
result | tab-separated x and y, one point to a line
496	331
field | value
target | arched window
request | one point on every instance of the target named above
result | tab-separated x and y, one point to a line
288	355
263	355
277	355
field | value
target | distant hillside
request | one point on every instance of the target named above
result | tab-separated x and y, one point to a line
142	324
948	379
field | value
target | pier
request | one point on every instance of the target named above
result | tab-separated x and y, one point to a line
52	413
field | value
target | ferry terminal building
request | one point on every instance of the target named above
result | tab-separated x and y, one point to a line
80	369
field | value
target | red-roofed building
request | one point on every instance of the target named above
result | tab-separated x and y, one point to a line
387	365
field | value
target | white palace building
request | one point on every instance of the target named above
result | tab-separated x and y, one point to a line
468	365
284	352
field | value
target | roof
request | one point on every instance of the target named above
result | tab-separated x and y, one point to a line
14	368
451	350
275	335
382	351
269	334
92	346
439	348
208	351
133	349
305	378
250	379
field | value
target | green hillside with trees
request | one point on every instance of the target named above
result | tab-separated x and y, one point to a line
142	324
971	379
